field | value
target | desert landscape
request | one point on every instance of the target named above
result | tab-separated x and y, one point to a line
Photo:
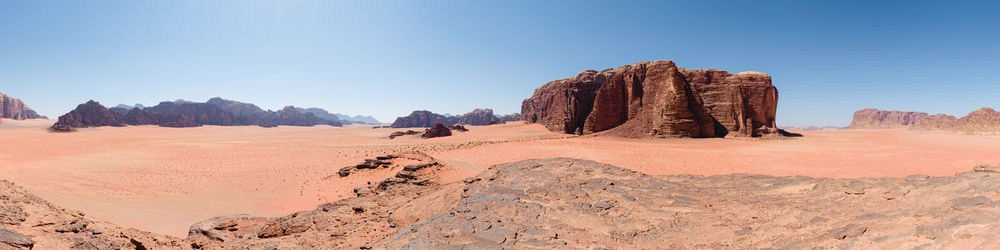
498	125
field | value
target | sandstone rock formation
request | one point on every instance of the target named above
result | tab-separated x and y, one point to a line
657	99
13	108
874	118
439	130
420	119
89	114
567	203
476	117
216	111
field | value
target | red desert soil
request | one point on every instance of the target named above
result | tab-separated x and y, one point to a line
166	179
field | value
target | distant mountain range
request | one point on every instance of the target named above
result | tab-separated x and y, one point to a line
181	113
358	119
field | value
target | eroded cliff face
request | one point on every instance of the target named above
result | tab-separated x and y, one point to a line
657	99
13	108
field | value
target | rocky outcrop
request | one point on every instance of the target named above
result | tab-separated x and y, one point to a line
13	108
420	119
181	113
874	118
28	222
89	114
322	114
571	204
476	117
985	121
657	99
439	130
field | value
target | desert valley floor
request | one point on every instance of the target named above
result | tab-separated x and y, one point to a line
164	180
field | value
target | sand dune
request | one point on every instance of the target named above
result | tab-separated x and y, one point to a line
164	179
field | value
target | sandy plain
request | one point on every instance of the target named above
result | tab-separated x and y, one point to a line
165	179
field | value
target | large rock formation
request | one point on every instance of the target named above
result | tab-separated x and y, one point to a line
216	111
420	119
423	119
874	118
657	99
476	117
89	114
13	108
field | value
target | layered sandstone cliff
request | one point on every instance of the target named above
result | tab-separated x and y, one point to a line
657	99
13	108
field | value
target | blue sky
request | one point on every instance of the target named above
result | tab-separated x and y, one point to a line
387	58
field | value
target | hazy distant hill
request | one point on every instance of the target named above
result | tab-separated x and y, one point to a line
357	119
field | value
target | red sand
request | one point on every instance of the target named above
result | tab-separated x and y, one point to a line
165	179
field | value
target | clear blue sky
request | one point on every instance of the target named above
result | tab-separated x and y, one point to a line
387	58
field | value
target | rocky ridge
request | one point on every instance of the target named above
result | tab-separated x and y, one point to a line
985	121
424	119
657	99
216	111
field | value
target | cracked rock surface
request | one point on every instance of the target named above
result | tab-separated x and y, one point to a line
570	203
